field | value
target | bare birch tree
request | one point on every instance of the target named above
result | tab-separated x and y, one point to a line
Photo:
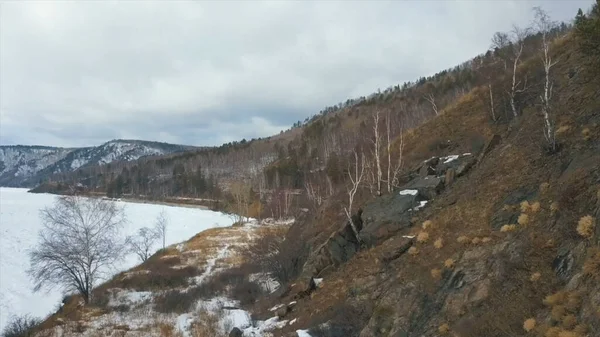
376	140
160	227
544	25
79	241
517	86
355	180
239	208
429	98
142	243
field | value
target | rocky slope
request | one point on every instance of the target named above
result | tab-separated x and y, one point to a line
26	166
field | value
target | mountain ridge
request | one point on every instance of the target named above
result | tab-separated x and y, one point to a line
28	165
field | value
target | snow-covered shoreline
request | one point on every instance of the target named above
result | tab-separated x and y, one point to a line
19	226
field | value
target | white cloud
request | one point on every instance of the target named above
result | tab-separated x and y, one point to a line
80	73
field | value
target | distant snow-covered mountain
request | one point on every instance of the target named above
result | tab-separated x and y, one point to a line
26	166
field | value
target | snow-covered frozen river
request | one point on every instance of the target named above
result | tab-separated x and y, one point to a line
19	226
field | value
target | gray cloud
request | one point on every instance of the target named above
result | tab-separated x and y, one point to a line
203	73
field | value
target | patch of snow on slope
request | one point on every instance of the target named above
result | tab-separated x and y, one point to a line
408	192
450	158
303	333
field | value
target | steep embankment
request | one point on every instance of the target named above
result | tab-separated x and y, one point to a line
506	244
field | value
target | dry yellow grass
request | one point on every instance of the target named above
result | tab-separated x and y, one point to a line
585	226
554	207
422	237
427	224
463	239
544	187
525	207
523	219
558	312
566	333
581	329
552	332
573	301
586	133
449	263
439	243
413	251
486	239
562	129
436	273
476	241
569	321
557	298
444	329
591	266
535	277
535	207
529	324
508	228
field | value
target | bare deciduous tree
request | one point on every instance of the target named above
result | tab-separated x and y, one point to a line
80	240
544	25
431	100
20	326
160	227
517	86
141	244
240	206
393	170
355	181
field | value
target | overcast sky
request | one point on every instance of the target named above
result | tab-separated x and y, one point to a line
204	73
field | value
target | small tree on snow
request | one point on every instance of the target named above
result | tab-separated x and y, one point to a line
142	243
79	241
160	228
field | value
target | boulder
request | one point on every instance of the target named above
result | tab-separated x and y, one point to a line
387	215
236	332
428	187
395	247
449	177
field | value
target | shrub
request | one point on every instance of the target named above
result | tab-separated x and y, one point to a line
439	243
569	321
427	224
558	312
525	207
586	133
552	332
573	301
565	333
20	326
422	237
523	219
585	226
535	207
449	263
581	329
591	266
413	250
544	187
554	207
486	239
535	277
508	228
436	273
463	239
529	324
207	325
556	298
476	241
444	329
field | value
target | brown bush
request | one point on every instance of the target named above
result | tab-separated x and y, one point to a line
444	329
439	243
591	266
427	224
449	263
558	312
569	321
422	237
535	207
508	228
413	250
529	324
523	219
585	226
436	273
463	239
476	241
535	277
525	207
